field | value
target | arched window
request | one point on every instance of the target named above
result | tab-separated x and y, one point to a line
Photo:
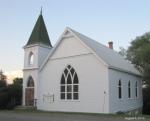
136	89
69	84
119	90
31	58
30	82
129	90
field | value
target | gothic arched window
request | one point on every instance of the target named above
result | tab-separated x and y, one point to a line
69	84
31	58
30	82
119	90
129	90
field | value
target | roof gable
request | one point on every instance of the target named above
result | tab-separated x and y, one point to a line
70	47
108	56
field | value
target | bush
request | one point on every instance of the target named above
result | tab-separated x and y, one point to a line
10	95
146	100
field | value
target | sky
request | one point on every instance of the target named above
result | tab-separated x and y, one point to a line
119	21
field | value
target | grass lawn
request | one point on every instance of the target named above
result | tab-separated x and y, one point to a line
113	117
34	111
37	115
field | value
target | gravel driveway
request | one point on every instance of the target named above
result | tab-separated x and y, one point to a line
36	116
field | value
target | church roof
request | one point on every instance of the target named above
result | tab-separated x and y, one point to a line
112	58
108	56
39	33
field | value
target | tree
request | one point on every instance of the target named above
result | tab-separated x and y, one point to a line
2	76
139	54
10	95
17	81
15	92
3	91
3	83
17	89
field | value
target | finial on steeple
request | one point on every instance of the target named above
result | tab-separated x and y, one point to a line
39	33
41	10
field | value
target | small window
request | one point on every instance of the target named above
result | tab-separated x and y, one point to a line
62	88
62	96
129	90
75	88
69	96
119	90
75	96
136	89
31	58
69	86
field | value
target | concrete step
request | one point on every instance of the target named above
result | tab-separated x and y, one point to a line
25	107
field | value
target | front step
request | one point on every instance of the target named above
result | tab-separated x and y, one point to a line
25	108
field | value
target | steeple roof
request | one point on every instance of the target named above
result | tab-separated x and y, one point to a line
39	33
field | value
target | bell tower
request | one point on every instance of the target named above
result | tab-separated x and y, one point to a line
35	52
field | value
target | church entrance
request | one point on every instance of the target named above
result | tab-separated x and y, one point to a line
29	92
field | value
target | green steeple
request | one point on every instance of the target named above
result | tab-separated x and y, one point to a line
39	33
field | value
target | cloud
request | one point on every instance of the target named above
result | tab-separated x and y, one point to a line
13	74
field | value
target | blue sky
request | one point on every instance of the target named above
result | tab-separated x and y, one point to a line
103	20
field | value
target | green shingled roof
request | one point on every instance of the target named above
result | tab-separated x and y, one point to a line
39	34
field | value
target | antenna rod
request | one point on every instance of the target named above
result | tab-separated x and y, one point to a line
41	10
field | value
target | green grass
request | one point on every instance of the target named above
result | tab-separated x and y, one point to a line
49	113
75	113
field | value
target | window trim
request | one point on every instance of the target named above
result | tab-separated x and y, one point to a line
129	90
136	90
119	89
31	58
72	84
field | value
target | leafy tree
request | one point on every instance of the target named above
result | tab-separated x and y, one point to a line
3	83
15	92
139	54
10	95
4	98
17	81
146	100
3	92
2	76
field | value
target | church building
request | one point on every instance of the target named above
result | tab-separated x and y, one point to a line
78	74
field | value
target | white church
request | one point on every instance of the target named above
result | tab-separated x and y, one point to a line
78	74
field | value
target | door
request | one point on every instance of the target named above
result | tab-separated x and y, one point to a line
29	97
